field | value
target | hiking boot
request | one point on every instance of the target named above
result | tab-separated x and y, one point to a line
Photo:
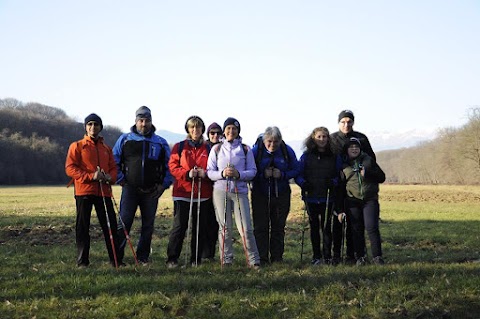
350	261
336	261
361	261
172	264
82	266
378	260
256	267
317	261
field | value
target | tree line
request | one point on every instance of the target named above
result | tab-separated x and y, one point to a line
34	140
453	157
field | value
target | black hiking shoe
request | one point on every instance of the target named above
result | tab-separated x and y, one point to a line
361	261
378	261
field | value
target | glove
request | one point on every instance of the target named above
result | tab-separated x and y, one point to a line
158	192
268	172
98	176
193	173
107	177
201	173
276	173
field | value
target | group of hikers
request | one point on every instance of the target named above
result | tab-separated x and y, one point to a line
212	178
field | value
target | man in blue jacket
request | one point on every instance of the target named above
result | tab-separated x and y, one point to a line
142	163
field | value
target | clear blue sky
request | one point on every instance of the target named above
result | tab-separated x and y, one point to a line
399	65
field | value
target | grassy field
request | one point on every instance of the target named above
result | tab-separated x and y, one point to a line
430	239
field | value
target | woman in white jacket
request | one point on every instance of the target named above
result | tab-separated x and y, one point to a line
231	165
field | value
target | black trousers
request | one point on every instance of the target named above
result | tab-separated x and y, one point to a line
82	227
211	231
320	229
337	238
364	216
181	212
269	219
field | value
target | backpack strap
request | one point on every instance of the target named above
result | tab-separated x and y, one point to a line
181	145
283	147
216	149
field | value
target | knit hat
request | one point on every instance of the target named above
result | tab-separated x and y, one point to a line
93	118
212	126
352	141
143	113
231	121
346	113
197	119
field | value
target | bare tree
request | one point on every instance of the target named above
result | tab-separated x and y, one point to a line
10	103
470	137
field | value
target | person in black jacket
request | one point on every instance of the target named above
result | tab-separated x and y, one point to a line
141	157
214	133
318	178
360	178
338	139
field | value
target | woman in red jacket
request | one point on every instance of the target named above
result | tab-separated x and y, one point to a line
192	192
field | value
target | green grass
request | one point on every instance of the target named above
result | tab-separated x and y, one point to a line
430	240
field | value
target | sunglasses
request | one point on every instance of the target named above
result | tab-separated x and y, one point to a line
93	123
215	133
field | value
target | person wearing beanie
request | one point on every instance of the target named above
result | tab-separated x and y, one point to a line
346	120
231	121
94	118
338	140
142	164
192	193
91	166
318	178
214	133
231	166
359	181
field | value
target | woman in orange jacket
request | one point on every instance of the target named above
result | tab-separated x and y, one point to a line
91	166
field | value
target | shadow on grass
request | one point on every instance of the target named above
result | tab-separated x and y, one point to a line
426	259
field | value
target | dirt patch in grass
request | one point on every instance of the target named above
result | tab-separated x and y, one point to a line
38	235
429	196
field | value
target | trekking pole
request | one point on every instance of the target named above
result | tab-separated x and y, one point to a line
189	227
269	194
303	229
198	220
275	183
325	221
344	226
224	229
305	212
241	223
112	243
127	236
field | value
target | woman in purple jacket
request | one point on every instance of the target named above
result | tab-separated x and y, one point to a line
231	165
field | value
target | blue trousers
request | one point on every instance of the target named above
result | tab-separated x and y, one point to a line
132	198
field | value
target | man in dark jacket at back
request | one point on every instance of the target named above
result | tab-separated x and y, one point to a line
345	131
338	139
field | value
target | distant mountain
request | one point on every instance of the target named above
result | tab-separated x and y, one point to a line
382	141
171	137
